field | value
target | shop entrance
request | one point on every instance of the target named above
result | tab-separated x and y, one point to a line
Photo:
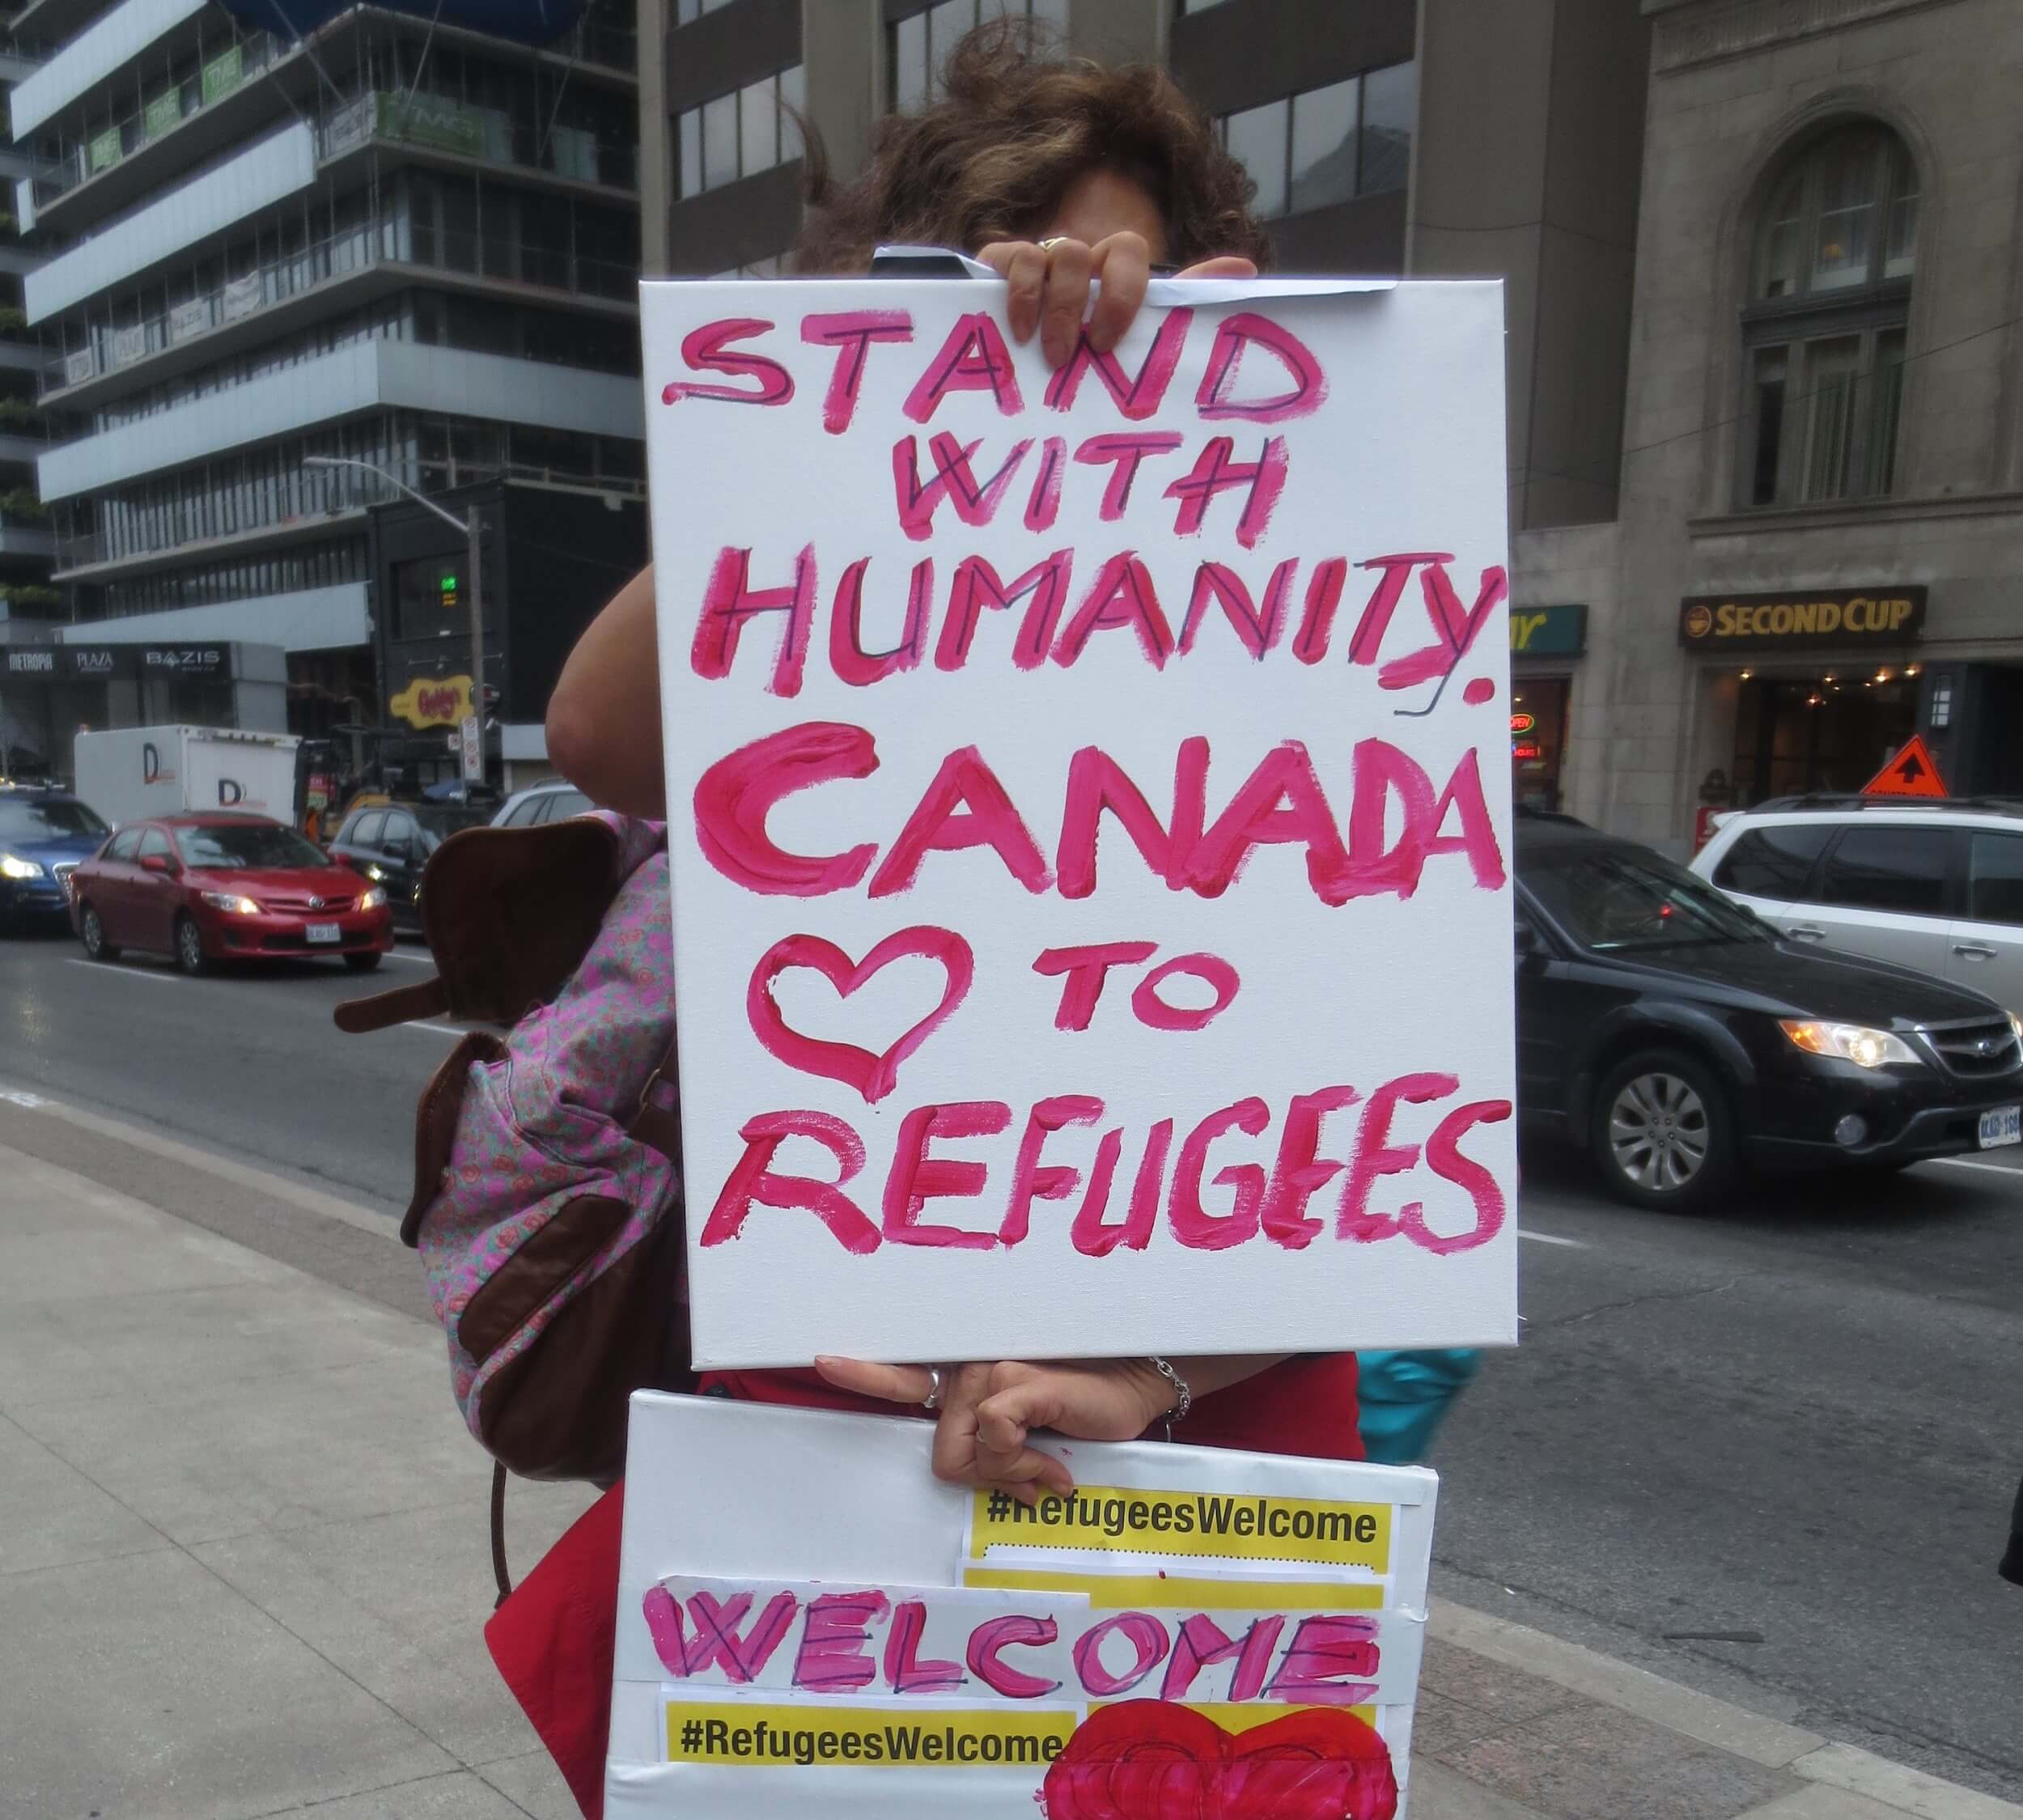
1538	707
1828	733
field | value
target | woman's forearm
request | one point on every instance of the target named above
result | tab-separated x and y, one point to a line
604	719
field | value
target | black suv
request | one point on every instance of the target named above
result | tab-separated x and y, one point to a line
1677	1037
391	843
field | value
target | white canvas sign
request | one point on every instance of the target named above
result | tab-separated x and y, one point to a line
897	1647
1089	805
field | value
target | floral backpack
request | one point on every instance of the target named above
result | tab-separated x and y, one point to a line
547	1205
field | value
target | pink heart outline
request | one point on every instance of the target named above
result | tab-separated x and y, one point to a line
874	1076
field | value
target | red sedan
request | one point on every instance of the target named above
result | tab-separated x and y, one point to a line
220	887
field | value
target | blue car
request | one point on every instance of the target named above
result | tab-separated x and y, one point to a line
43	833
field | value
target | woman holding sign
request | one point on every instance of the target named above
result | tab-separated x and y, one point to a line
1077	184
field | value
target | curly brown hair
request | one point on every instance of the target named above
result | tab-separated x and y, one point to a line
1016	126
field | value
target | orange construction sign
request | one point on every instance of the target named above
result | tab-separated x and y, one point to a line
1910	773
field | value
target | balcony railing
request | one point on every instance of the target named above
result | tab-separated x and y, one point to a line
84	159
425	119
322	499
437	123
390	241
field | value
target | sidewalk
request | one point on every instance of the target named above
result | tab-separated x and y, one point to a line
244	1559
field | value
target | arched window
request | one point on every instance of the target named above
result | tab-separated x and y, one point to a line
1823	330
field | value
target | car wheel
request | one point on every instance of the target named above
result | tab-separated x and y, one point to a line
363	963
1663	1135
190	945
95	945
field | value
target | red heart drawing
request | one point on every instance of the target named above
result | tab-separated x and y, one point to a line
874	1076
1154	1760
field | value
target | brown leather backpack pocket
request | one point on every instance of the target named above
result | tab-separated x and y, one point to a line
536	1272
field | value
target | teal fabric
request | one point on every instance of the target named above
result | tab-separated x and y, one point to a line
1403	1397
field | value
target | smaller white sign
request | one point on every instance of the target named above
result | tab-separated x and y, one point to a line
189	319
470	737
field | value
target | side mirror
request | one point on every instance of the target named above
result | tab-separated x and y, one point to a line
158	862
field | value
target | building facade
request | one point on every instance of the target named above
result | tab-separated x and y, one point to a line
1819	547
285	273
27	602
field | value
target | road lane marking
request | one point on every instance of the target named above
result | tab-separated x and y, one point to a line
440	1029
116	972
1551	1238
409	960
1968	1163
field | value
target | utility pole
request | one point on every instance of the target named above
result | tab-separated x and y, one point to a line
473	731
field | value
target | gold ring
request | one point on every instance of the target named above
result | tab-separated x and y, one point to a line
1054	240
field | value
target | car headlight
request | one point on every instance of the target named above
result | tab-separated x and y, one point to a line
373	898
12	868
1850	1042
230	902
2016	1024
374	872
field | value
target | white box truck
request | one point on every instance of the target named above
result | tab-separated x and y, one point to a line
135	771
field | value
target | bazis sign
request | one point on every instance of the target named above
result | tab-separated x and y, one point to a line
432	701
1888	615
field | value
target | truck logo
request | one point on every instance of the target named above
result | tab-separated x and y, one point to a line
152	771
230	790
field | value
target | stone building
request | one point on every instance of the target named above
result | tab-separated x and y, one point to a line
1817	551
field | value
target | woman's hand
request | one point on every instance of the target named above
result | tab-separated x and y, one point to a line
988	1411
1048	283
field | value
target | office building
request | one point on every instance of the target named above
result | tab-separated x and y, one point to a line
394	242
1433	138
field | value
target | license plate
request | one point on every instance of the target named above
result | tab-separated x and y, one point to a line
2003	1125
330	932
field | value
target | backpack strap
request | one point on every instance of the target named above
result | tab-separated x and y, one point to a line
658	1121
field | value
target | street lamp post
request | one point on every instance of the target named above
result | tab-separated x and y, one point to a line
471	732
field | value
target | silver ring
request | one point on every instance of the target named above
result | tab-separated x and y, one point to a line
932	1400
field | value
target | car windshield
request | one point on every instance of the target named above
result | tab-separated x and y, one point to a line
439	820
49	818
1610	898
252	847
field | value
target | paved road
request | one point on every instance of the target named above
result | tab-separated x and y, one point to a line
1800	1418
248	1064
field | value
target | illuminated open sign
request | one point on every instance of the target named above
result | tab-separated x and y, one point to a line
1522	722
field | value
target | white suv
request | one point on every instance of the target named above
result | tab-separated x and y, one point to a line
1937	887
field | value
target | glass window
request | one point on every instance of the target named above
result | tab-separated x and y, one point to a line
1772	368
1900	869
793	111
520	814
154	845
909	63
1610	898
125	844
371	830
1257	140
1323	122
1390	99
720	141
1772	862
1995	877
49	818
248	847
758	127
1844	241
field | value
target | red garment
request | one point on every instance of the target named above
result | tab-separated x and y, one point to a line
553	1639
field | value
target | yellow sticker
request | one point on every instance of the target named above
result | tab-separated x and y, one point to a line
1252	1714
1149	1591
744	1734
1242	1526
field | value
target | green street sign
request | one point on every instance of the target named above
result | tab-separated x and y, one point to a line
1548	631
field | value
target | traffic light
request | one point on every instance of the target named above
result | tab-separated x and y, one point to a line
450	595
